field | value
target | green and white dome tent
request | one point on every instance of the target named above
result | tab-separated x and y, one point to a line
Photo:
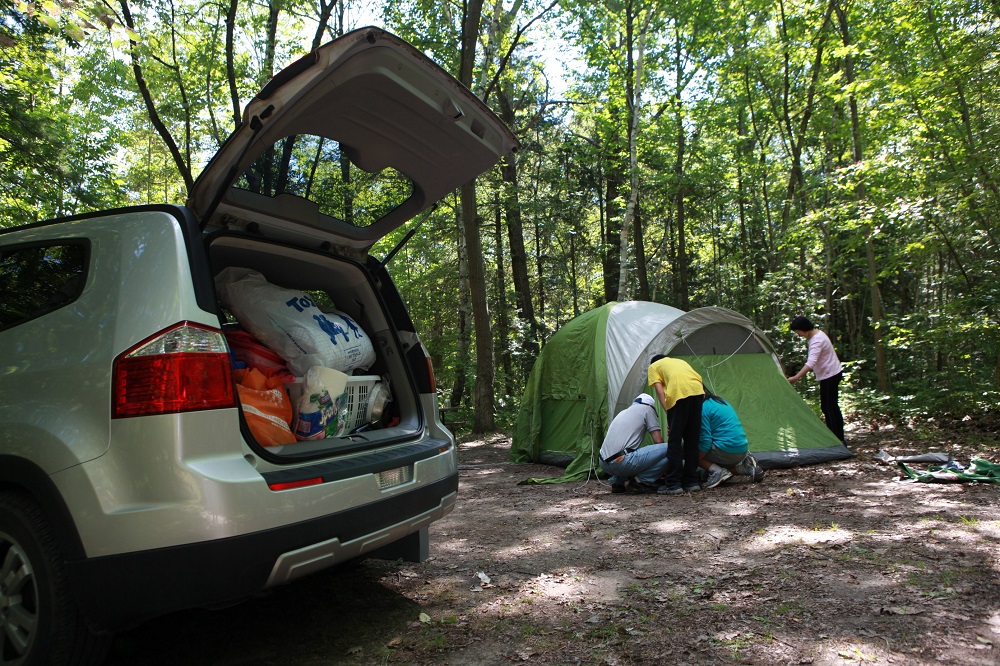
594	366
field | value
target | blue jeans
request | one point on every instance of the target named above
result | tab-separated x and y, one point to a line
646	464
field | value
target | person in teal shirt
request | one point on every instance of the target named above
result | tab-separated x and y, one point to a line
723	449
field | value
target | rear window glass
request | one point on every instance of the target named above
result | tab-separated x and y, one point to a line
38	279
320	170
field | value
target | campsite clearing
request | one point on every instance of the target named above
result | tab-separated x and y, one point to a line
837	563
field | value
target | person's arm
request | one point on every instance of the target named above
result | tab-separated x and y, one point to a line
661	396
657	436
706	430
814	351
800	374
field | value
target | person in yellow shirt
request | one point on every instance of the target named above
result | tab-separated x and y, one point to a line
681	394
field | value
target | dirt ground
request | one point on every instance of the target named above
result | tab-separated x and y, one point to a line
838	563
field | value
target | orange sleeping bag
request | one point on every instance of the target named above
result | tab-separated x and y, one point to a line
266	407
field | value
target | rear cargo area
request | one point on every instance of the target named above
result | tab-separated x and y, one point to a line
317	361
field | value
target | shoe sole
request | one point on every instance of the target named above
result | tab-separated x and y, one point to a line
721	479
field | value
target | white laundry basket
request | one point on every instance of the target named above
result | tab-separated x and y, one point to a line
358	390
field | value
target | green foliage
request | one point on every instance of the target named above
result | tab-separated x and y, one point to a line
783	152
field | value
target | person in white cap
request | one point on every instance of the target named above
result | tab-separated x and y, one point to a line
622	454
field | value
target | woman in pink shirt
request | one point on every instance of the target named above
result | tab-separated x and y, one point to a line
826	366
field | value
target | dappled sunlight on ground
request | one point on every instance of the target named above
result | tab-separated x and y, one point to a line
669	526
777	537
824	565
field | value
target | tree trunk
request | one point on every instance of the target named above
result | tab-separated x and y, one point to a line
797	135
484	415
464	311
641	272
612	236
325	11
878	311
680	193
485	369
633	102
746	250
515	239
183	167
501	344
271	38
681	289
540	274
234	94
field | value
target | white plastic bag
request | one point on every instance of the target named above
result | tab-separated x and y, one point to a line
290	324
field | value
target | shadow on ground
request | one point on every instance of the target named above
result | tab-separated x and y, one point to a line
323	619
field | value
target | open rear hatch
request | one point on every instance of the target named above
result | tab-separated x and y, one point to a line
338	150
368	99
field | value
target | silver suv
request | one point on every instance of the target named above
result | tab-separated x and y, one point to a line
131	484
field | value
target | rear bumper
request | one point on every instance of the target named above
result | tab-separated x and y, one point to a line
116	591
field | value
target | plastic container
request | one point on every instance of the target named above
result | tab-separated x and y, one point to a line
358	390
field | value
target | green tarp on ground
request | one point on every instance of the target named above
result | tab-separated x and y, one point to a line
595	365
979	470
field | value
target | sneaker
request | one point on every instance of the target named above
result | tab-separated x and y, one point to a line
715	477
753	469
641	488
618	488
692	487
670	490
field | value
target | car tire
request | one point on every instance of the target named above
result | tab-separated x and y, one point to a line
39	620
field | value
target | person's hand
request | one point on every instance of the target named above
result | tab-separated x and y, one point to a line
791	380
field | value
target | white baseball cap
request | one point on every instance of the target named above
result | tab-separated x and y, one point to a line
645	399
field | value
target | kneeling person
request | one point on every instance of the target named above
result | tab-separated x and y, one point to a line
621	455
723	449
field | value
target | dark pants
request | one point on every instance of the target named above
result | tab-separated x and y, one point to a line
684	426
829	402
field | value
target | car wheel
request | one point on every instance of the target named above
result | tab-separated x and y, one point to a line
39	621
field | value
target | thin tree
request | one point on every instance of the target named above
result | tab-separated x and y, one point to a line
878	309
183	165
484	413
634	105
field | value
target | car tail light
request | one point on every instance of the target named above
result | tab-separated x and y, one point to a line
184	368
430	375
